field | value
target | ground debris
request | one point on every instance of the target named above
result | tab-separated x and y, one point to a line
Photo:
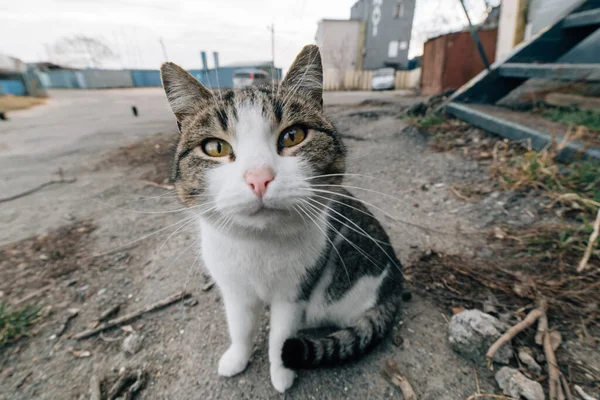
134	315
36	189
129	382
391	372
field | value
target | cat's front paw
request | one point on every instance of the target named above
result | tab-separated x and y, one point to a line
233	361
282	378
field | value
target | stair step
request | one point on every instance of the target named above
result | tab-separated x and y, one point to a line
562	72
584	18
521	127
545	47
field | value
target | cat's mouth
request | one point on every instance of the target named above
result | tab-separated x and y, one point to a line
266	211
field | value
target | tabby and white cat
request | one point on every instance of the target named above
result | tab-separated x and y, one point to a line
262	168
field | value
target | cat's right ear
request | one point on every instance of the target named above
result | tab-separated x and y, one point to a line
184	92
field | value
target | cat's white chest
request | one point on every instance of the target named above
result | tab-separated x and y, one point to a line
271	269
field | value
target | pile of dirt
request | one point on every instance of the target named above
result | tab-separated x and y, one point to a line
37	262
156	151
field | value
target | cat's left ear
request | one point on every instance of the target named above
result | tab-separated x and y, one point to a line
306	74
184	92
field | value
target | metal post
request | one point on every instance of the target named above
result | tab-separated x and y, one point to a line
476	37
164	49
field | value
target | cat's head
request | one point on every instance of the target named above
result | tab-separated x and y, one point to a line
251	156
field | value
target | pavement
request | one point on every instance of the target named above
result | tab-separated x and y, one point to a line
73	132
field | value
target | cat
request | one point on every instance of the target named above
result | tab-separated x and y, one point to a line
262	169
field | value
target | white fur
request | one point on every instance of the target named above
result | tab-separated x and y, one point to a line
262	254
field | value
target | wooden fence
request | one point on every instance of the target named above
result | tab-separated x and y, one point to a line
361	80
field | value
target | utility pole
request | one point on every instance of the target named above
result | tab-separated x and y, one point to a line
164	49
273	70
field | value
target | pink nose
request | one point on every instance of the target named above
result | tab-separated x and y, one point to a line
258	180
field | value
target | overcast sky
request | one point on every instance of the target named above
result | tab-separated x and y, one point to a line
235	28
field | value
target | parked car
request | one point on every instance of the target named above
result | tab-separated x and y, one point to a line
384	79
249	77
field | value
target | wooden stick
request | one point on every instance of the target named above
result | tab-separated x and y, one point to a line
583	394
33	294
588	251
555	388
95	393
541	330
35	189
566	388
391	372
513	331
134	315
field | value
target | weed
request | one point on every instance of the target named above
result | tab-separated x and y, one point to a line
574	116
15	322
576	184
429	120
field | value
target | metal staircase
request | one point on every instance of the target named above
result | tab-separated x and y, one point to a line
535	58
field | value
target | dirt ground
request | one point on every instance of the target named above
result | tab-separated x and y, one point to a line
102	215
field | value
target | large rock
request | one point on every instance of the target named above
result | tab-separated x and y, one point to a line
472	332
515	384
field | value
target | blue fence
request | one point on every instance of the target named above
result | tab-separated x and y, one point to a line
14	87
146	78
221	78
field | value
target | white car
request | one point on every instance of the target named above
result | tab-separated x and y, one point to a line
248	77
384	79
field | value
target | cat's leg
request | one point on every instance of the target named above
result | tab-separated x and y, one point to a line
243	314
286	318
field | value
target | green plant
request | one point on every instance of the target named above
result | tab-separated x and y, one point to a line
429	120
574	116
15	322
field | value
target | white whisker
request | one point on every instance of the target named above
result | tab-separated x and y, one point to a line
305	211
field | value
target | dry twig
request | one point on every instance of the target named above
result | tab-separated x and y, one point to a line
390	371
95	393
33	294
513	331
555	388
588	251
583	394
134	315
566	388
35	189
109	312
165	186
489	396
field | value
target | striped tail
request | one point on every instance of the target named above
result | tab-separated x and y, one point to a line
343	346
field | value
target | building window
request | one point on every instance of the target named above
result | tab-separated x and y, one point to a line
399	9
393	49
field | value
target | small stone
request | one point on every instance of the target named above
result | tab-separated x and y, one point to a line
472	332
439	185
191	302
515	384
209	285
132	344
526	358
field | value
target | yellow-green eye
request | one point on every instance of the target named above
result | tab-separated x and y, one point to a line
217	148
292	136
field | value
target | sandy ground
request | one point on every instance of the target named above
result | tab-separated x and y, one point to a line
182	345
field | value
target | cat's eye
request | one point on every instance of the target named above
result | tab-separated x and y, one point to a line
216	148
292	136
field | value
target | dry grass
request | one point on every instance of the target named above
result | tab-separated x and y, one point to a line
12	103
575	186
